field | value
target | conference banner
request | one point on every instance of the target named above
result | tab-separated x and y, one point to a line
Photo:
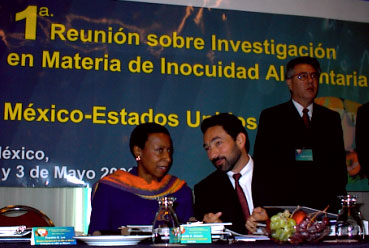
78	76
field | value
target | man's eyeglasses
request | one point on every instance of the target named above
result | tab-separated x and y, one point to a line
305	75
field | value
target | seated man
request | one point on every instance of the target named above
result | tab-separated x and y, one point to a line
225	195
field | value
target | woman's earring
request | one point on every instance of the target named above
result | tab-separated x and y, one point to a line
138	158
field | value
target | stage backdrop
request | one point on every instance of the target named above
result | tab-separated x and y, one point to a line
78	76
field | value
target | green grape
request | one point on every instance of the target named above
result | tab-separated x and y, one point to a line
279	233
276	222
286	213
279	223
274	218
289	229
274	235
291	222
274	225
283	222
283	236
282	226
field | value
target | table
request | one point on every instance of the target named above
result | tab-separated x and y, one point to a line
260	244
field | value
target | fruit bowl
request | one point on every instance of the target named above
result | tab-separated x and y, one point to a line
298	227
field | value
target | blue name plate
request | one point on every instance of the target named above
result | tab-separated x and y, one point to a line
53	236
195	234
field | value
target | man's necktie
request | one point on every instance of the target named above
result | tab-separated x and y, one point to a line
305	117
241	196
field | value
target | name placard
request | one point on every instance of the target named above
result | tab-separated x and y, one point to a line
53	236
195	234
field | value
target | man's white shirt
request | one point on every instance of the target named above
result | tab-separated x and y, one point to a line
245	181
299	108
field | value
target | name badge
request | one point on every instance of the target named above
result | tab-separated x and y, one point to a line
304	155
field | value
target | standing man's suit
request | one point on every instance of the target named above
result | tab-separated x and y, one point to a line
362	137
282	179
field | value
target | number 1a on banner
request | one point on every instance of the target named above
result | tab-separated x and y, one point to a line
30	14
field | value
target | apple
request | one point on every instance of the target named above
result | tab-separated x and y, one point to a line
299	216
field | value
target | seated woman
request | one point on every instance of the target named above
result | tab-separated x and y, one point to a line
129	198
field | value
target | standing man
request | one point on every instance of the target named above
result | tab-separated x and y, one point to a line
299	151
362	137
225	195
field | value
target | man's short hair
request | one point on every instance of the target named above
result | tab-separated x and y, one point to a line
229	122
302	60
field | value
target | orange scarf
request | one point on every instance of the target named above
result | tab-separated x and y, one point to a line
137	185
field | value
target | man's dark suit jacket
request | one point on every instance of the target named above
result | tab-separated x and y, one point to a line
279	179
216	194
362	137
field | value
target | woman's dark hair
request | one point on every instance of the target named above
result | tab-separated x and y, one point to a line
230	123
141	133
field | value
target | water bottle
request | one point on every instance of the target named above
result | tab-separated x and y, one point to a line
166	228
349	225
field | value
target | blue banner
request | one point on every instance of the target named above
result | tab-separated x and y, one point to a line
78	76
